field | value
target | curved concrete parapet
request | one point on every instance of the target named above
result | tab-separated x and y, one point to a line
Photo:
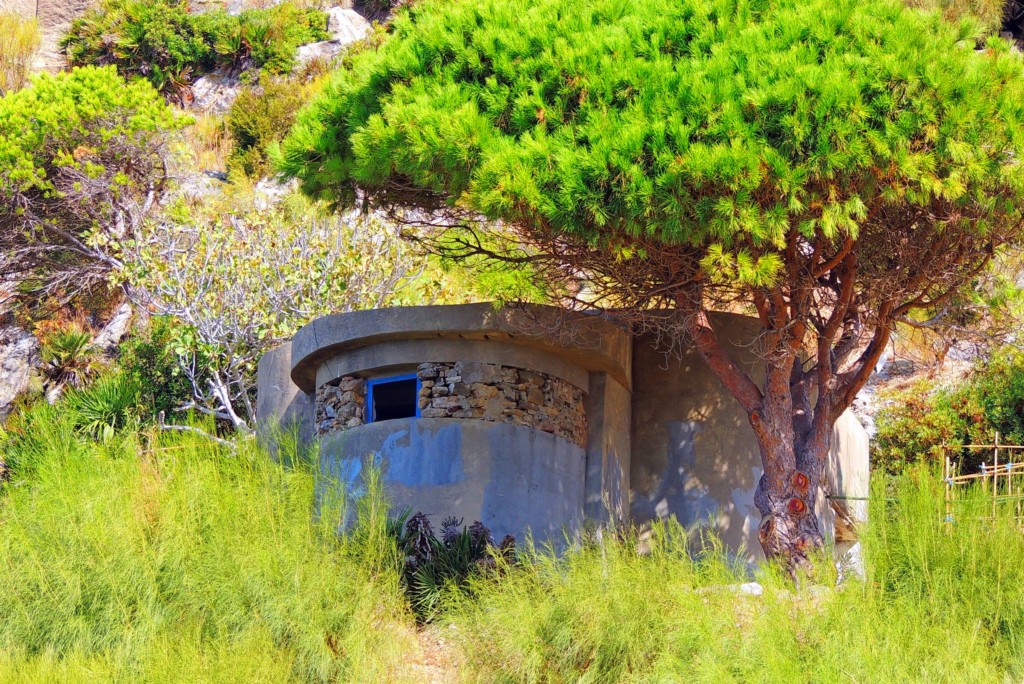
538	338
280	405
511	478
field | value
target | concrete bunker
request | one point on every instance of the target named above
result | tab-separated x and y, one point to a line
524	418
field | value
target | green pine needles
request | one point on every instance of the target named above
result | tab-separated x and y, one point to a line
689	122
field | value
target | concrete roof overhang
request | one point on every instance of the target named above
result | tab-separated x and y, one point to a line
592	342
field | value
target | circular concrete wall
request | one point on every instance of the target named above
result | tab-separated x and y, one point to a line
501	432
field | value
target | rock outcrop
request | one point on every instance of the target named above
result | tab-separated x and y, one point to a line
19	357
345	25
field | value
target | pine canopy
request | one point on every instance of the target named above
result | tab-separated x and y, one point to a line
718	124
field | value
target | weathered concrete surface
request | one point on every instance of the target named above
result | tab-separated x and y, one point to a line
694	453
280	405
384	356
590	342
509	477
608	409
849	474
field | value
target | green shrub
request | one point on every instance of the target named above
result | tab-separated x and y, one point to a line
163	42
19	42
153	360
69	356
918	423
258	118
83	157
434	566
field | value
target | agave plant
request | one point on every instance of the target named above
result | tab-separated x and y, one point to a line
434	566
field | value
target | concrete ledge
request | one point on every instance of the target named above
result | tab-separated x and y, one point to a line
390	354
591	342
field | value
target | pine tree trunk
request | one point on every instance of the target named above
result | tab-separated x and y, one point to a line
786	493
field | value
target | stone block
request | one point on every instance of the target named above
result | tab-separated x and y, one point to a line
529	377
473	372
351	385
485	391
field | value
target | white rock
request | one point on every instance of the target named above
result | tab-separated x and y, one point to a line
115	329
19	355
851	564
215	92
346	25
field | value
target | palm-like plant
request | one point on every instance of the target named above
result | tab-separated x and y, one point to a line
108	405
70	358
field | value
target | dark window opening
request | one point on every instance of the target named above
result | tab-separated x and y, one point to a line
392	398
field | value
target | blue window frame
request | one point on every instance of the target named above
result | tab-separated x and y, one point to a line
392	397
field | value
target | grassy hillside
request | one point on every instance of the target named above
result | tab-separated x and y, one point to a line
167	557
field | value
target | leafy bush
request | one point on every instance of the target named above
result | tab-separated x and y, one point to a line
916	423
83	159
163	42
153	360
19	41
183	560
259	118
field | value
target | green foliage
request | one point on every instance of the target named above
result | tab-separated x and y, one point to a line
166	44
69	356
106	406
19	42
718	124
259	118
988	12
914	424
168	558
939	603
435	566
153	362
82	160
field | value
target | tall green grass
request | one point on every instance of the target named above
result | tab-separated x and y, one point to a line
141	556
154	557
939	604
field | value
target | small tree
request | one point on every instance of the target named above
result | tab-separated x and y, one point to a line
831	166
82	162
244	283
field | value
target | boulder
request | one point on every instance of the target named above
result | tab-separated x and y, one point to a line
345	25
19	357
115	330
215	92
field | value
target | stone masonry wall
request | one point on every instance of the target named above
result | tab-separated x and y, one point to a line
482	391
341	406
